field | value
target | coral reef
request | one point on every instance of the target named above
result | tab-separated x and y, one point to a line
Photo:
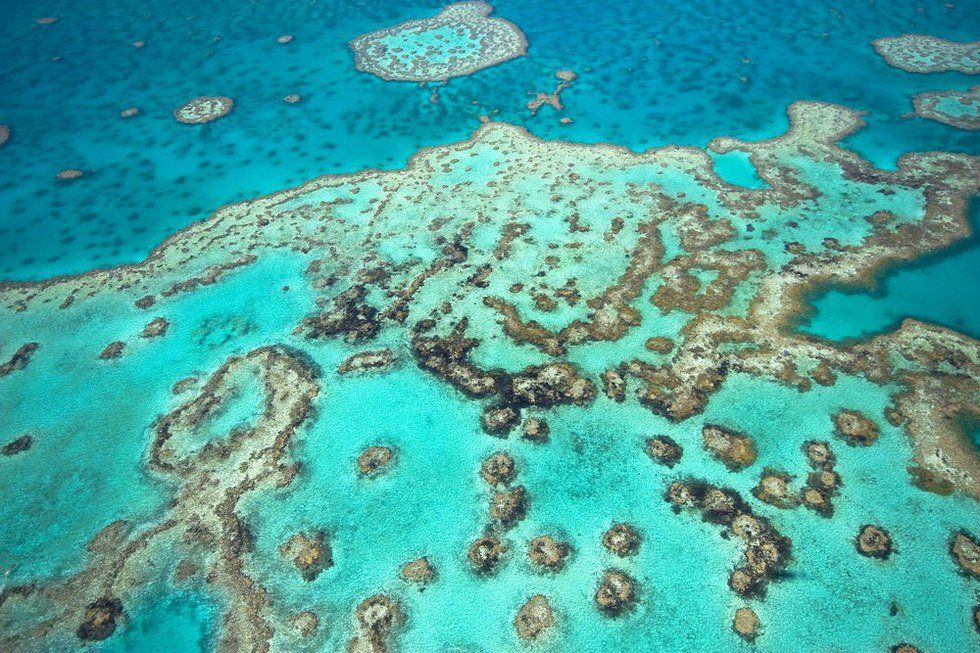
534	618
617	593
375	460
459	40
955	108
621	539
309	553
420	571
919	53
874	542
203	109
548	553
735	450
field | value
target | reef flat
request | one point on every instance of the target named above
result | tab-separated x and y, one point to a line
919	53
518	391
460	40
959	109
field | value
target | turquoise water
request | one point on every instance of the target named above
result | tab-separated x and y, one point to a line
936	289
556	221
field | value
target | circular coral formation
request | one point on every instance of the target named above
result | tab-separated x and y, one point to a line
819	454
873	542
129	112
773	488
817	501
960	109
204	109
99	621
309	553
499	469
508	508
374	460
735	450
69	174
966	553
856	429
622	539
284	39
617	593
664	450
468	41
545	551
292	98
534	617
485	554
419	571
746	624
536	430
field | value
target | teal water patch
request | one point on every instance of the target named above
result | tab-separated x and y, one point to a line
936	289
165	619
735	168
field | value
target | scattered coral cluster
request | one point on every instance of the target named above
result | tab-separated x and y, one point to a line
536	280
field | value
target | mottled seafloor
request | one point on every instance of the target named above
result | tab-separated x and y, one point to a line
632	222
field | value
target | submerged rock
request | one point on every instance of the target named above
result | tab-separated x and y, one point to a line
746	624
310	554
374	460
419	571
305	623
509	507
873	542
617	593
18	445
377	617
498	469
966	552
536	430
735	450
112	351
621	539
485	554
547	552
664	450
20	359
99	621
856	429
534	617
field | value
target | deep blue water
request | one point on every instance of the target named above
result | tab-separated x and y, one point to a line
674	72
